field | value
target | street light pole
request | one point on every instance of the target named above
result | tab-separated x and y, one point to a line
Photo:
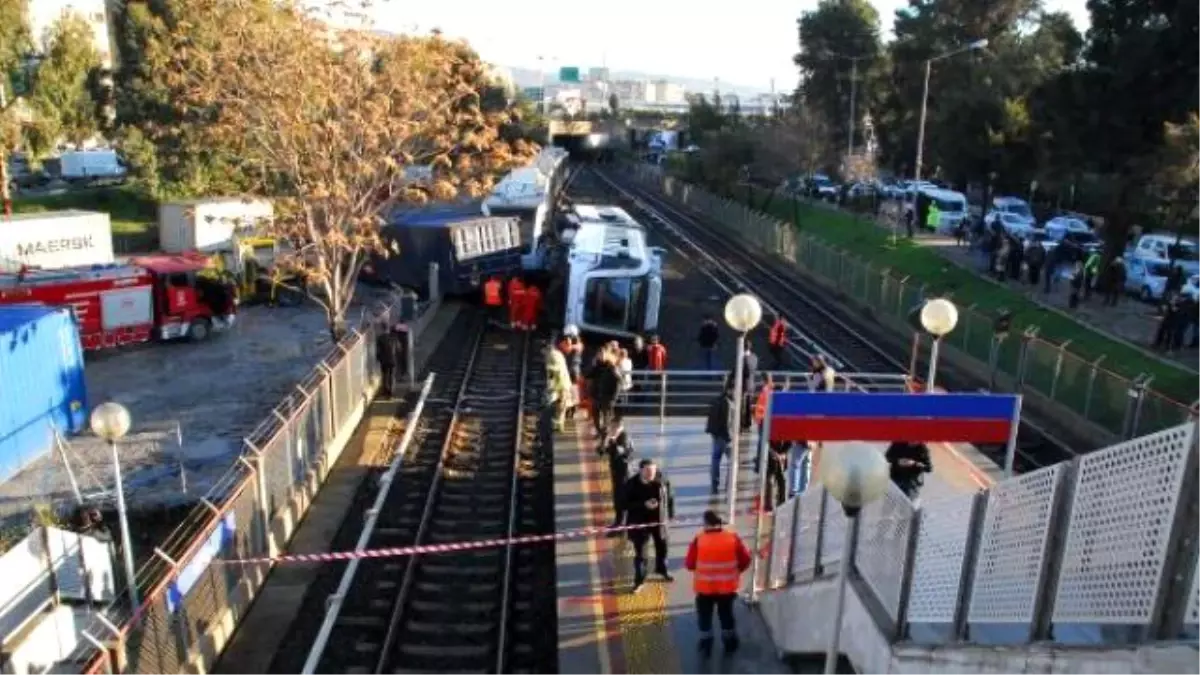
978	44
736	432
123	518
921	128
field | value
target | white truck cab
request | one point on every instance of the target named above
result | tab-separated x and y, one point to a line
614	279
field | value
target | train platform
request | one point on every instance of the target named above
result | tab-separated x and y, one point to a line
602	627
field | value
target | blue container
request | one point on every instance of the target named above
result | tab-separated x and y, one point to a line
41	383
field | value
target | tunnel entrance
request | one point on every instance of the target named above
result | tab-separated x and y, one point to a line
583	147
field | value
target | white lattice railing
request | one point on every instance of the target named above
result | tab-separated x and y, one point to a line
1096	541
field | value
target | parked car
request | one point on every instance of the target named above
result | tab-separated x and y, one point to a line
1192	287
1167	247
1067	224
1146	278
821	187
1012	223
1010	210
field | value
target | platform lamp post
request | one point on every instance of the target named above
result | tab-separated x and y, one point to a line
855	476
111	421
938	317
742	312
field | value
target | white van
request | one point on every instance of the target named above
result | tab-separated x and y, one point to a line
1162	246
1010	210
952	208
84	165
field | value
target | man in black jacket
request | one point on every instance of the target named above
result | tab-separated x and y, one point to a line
648	501
387	353
710	335
719	425
909	463
604	383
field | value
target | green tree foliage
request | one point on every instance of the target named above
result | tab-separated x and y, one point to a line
61	98
15	44
840	50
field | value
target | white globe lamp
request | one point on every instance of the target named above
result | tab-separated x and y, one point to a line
110	421
939	316
855	474
743	312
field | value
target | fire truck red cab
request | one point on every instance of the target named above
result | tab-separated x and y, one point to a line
152	297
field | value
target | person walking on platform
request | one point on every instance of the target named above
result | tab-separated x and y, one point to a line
909	464
619	448
531	309
777	463
494	301
571	348
649	502
604	387
717	559
709	336
777	343
639	355
656	355
719	426
516	302
560	390
387	354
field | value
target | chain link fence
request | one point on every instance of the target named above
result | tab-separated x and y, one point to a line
187	594
1016	362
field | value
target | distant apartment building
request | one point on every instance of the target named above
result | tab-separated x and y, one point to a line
597	74
665	92
44	13
629	91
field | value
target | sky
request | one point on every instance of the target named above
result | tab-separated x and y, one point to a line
746	48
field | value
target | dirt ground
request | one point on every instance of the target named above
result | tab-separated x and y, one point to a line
191	406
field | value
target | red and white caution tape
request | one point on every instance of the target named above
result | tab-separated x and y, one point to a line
456	547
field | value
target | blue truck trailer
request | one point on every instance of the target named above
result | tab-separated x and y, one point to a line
466	246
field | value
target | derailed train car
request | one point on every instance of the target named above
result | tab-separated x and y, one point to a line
529	194
467	248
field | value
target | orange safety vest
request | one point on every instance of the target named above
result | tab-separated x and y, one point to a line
656	356
716	563
491	293
778	334
760	404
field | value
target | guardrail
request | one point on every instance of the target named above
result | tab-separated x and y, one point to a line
1090	551
191	606
1023	363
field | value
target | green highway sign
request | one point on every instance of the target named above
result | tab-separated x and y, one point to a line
568	74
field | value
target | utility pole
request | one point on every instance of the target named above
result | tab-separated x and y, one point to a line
853	92
921	128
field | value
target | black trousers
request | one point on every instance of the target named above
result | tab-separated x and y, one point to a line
704	613
638	539
776	483
602	415
387	372
619	467
779	356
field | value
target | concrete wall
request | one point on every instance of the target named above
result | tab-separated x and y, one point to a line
799	620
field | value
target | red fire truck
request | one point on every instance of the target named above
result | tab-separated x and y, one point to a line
158	296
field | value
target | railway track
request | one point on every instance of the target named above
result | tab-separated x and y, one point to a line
476	470
735	268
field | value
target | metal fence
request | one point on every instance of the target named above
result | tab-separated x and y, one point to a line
1024	362
250	513
1090	551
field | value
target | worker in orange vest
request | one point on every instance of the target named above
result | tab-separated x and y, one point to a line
493	300
777	342
516	302
532	308
656	354
760	414
717	558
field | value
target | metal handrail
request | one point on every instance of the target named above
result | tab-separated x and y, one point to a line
334	606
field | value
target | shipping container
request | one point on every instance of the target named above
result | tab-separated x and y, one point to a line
55	239
209	225
41	383
465	246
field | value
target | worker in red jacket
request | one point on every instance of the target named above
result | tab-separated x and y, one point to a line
494	300
516	302
532	308
717	559
656	354
777	342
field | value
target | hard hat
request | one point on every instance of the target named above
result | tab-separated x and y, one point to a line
571	331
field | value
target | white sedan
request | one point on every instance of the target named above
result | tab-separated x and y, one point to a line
1192	287
1146	278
